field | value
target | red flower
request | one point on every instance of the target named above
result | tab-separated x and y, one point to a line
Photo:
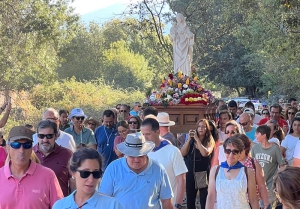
170	76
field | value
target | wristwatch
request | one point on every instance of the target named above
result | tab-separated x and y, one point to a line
178	206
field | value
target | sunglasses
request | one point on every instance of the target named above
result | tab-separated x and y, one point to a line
266	113
17	145
123	110
291	113
244	124
139	106
48	136
232	132
234	152
132	122
79	118
92	124
86	174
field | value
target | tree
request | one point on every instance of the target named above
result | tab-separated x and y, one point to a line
31	35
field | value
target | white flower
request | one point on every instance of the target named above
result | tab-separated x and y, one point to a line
185	86
184	91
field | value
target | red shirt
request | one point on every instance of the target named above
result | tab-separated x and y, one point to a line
280	122
58	161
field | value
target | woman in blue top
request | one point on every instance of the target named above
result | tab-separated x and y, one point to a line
85	166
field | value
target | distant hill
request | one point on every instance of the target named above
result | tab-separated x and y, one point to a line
105	14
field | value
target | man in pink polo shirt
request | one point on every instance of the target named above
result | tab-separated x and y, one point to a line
25	184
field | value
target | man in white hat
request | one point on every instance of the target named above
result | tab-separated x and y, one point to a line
169	156
163	119
135	180
83	136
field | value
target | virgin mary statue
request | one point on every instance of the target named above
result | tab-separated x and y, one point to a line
183	40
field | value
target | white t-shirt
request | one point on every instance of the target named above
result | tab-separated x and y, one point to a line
297	150
65	140
170	157
289	143
222	156
222	135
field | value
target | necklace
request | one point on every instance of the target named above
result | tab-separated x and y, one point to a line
107	142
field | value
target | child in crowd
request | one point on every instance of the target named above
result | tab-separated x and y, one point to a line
268	155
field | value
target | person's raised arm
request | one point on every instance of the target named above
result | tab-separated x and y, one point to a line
186	147
260	180
251	184
205	151
7	107
212	195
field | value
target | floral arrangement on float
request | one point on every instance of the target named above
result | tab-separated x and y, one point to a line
180	89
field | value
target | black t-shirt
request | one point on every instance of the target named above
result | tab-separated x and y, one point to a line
201	163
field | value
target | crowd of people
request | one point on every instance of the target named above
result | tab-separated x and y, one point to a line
131	159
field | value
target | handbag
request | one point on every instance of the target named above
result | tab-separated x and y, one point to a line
200	177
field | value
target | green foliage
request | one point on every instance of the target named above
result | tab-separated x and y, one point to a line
31	34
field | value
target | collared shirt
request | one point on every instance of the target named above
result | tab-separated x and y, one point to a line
132	190
134	113
86	136
105	144
38	188
64	139
98	201
280	122
58	161
62	128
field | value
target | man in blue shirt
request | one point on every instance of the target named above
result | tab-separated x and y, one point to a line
105	137
136	109
136	181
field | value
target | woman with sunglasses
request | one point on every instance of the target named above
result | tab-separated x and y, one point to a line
265	113
249	162
123	130
287	187
290	141
230	182
134	124
196	152
289	116
231	128
85	166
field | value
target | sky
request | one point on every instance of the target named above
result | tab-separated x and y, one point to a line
86	6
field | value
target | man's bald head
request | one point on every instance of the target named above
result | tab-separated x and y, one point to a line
245	116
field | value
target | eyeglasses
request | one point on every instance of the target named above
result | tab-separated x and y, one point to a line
202	127
275	113
48	136
122	132
92	124
244	124
86	174
17	145
132	122
123	110
55	119
234	152
266	113
291	113
232	132
139	106
79	118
